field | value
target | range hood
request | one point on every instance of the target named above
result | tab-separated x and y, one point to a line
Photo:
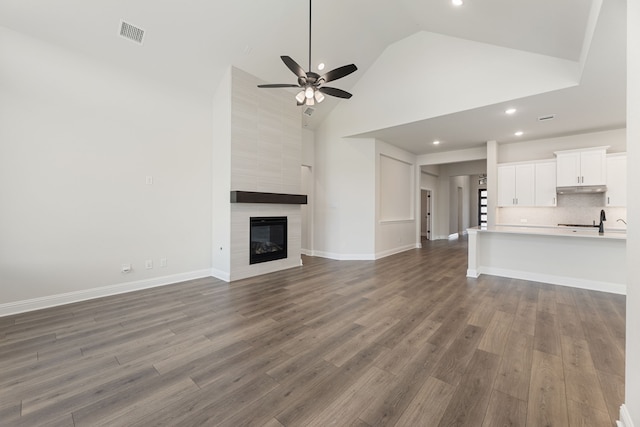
582	189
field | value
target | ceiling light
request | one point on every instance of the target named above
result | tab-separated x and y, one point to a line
519	133
319	96
456	2
510	111
300	97
321	66
436	142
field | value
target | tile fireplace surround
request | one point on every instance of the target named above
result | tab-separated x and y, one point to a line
257	173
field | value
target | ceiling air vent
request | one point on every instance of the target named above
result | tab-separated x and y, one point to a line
546	118
308	111
131	32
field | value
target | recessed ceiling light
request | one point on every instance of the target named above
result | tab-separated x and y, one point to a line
519	133
321	66
436	142
510	111
456	2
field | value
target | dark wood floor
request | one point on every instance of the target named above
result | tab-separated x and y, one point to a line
403	341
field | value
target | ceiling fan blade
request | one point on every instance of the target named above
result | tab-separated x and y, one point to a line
335	92
294	67
339	73
277	85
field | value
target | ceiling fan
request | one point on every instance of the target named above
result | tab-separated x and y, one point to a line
312	83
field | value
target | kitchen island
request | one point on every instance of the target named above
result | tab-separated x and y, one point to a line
566	256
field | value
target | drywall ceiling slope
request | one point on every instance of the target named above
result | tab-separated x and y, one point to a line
597	103
438	75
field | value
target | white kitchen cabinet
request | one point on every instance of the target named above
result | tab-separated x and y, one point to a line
617	179
581	167
516	185
545	184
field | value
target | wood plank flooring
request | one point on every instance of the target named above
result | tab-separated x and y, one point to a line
407	340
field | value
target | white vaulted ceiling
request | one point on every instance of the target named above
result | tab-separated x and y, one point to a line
190	43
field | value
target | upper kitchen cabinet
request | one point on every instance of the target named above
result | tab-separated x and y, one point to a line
581	167
617	179
545	188
516	185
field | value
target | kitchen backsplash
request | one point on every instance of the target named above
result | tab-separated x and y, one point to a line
571	209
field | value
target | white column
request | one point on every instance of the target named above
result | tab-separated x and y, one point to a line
492	182
472	266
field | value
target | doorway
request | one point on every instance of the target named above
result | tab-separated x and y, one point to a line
483	209
425	214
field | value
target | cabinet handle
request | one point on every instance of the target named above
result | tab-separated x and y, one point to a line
554	200
578	180
608	200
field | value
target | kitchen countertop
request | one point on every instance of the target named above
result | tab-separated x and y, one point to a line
580	232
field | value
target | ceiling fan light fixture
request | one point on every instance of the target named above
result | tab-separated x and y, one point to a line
308	92
309	82
456	2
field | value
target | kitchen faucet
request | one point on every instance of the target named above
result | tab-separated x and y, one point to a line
603	217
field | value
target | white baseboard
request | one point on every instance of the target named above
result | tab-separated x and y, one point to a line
473	273
222	275
397	250
625	418
614	288
344	257
103	291
307	252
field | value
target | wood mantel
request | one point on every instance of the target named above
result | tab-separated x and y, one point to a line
273	198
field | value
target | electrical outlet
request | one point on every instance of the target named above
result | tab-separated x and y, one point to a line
125	268
148	264
163	262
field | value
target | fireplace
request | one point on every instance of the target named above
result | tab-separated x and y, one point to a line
267	239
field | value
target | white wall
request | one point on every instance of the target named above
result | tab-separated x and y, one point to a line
632	376
77	142
307	187
484	74
345	202
308	147
221	179
397	194
543	149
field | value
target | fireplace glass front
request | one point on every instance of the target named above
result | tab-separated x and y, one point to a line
268	239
